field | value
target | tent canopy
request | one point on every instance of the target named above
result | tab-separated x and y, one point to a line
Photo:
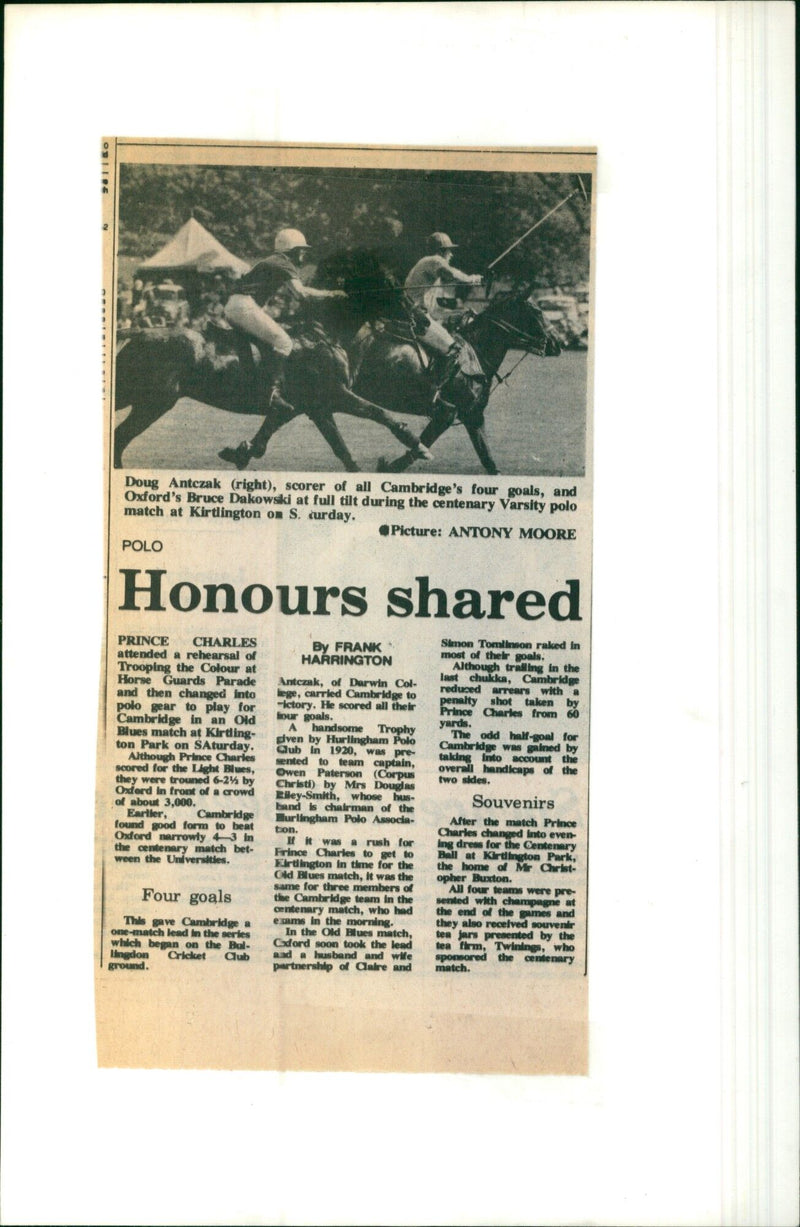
193	248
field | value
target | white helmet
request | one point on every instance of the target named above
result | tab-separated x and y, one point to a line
288	240
439	241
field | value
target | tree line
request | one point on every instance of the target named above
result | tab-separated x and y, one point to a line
341	208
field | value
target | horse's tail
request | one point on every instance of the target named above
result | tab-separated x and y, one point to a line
153	362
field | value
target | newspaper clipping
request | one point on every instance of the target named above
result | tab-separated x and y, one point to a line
342	805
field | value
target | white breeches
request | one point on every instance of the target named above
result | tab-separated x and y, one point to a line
244	312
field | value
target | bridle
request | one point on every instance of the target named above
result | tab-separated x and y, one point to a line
533	345
512	331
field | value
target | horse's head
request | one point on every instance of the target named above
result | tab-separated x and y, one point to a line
353	267
366	276
359	273
523	322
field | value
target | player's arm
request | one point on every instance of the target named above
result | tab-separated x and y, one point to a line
455	274
308	292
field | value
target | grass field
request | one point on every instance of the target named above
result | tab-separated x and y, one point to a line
535	424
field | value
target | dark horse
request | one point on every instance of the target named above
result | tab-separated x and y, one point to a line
392	369
158	367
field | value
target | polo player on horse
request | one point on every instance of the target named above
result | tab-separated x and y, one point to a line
412	312
261	296
424	284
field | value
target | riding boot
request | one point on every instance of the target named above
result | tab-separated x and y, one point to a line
275	397
274	402
448	365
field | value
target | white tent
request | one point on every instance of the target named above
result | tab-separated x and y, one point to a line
193	248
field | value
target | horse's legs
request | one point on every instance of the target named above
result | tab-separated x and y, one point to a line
325	424
142	415
367	410
478	437
257	446
443	417
272	423
345	402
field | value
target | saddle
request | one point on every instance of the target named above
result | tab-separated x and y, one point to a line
224	339
318	353
401	331
468	363
465	361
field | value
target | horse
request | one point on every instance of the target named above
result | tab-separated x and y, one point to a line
157	367
396	371
390	367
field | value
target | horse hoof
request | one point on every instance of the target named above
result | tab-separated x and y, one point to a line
240	456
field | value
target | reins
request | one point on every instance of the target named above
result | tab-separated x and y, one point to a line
511	331
504	378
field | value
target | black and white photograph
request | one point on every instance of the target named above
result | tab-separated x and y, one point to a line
326	318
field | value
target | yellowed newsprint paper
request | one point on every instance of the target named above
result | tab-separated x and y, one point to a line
342	803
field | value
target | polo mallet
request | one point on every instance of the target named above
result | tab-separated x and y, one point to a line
579	189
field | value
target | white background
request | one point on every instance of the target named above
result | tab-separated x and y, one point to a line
639	1141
